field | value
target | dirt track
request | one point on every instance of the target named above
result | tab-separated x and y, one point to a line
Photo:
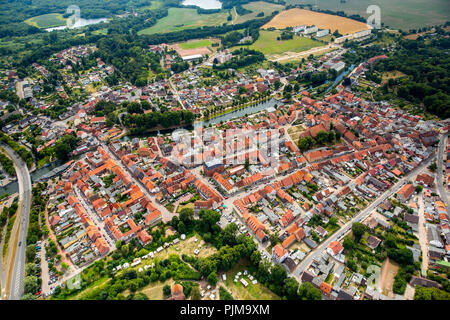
388	272
190	52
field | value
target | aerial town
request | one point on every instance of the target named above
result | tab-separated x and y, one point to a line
224	175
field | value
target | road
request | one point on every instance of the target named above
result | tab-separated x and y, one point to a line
19	89
359	217
439	176
174	89
15	268
306	53
166	215
422	233
94	217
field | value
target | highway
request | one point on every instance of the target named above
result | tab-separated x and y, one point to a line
358	218
439	179
15	268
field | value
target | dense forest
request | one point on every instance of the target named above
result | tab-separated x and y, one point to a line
13	13
129	58
139	123
241	58
20	10
426	63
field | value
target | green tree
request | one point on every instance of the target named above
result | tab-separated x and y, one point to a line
305	143
140	296
30	284
195	293
348	243
213	279
291	287
358	230
166	290
307	291
422	293
28	296
224	294
30	269
30	252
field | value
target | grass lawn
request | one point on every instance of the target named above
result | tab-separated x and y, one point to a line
96	285
47	20
7	239
169	207
268	44
296	131
185	18
153	5
154	290
195	44
189	205
252	292
187	246
257	7
103	31
41	163
392	75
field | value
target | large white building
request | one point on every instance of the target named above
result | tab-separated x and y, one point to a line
322	33
192	57
343	38
362	33
224	56
311	30
298	29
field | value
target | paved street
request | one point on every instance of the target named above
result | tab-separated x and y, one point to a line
94	217
166	215
359	217
15	267
422	234
439	176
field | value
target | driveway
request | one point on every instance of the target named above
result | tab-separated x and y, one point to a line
423	233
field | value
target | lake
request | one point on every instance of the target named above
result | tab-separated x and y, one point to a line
80	23
268	106
205	4
239	113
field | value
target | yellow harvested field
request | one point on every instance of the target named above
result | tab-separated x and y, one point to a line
298	17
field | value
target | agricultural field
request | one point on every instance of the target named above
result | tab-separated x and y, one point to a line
404	14
268	44
296	17
47	20
256	8
185	18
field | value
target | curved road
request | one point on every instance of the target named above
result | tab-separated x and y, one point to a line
439	179
15	269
